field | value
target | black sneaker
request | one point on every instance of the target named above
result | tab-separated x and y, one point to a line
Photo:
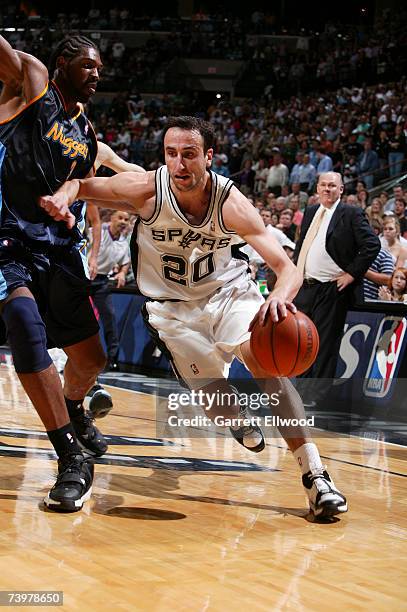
90	439
100	403
249	436
73	485
325	499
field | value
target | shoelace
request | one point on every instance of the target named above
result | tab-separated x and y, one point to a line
323	485
70	466
316	475
86	421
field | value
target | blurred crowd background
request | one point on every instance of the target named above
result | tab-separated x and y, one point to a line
308	94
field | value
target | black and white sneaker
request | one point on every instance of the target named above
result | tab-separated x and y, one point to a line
73	485
324	498
100	403
249	436
90	439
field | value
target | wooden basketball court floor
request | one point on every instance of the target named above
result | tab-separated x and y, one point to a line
199	524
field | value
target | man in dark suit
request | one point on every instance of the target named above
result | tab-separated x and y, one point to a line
335	249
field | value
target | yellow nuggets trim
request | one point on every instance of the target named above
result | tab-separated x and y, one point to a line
72	147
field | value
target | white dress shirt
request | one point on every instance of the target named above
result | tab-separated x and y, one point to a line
319	264
112	252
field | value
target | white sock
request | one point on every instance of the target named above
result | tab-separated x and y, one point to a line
307	457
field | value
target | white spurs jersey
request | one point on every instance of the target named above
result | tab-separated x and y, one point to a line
175	260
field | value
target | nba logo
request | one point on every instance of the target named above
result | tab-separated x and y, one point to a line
194	368
384	359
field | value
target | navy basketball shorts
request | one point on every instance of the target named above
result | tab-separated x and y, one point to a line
59	285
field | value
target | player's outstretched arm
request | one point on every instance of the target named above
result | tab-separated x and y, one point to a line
127	191
240	216
107	157
93	217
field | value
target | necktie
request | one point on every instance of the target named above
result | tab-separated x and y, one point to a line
309	238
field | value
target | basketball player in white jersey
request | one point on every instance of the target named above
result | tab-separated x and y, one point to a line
202	302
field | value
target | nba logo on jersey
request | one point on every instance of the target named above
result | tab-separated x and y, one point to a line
384	359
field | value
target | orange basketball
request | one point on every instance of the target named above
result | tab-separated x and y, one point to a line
286	348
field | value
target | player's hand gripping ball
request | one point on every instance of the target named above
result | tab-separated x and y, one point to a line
286	348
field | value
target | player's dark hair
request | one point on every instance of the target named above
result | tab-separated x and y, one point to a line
69	47
185	122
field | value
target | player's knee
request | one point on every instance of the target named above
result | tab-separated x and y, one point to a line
256	370
26	335
100	362
90	365
245	355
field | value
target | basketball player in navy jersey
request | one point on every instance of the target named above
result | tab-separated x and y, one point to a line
202	302
44	140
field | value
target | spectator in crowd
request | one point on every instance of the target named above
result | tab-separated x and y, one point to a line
352	200
368	163
301	195
277	177
259	204
220	165
396	290
286	224
398	193
352	148
400	213
295	171
384	197
362	129
114	254
397	151
271	201
360	184
362	197
382	150
275	218
324	162
391	241
263	270
281	237
124	136
235	159
375	210
349	175
294	205
306	174
245	179
337	157
260	178
280	205
380	270
314	153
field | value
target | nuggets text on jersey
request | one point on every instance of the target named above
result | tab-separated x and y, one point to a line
71	147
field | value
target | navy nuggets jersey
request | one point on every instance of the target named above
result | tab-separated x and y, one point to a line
40	148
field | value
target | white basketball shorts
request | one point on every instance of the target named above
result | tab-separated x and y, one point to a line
204	336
